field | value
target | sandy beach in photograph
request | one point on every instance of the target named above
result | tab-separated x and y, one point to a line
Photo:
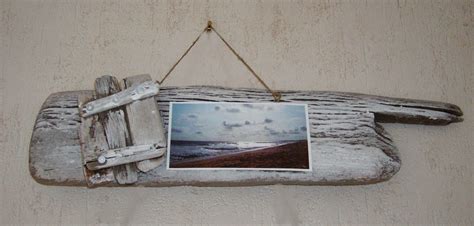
290	156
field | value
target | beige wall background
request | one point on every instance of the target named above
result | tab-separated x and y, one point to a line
412	49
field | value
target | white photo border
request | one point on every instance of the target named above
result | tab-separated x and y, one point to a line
168	149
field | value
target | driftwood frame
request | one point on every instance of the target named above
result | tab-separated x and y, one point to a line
349	146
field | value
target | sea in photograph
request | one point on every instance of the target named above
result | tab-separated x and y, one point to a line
191	150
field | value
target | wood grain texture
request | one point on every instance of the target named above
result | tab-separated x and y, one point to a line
93	141
145	123
348	145
140	91
58	120
124	155
115	126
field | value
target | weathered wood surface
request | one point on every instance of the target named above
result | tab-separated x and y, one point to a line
116	129
138	92
146	125
123	155
348	144
55	152
92	138
146	129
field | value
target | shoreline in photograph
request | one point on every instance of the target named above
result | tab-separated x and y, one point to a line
287	156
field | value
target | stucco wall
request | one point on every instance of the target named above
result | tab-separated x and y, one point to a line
412	49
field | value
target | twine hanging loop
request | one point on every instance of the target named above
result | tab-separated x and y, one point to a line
276	95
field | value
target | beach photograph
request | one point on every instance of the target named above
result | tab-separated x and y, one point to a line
247	136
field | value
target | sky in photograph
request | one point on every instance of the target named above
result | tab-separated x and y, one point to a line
238	122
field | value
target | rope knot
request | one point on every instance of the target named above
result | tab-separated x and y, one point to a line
276	96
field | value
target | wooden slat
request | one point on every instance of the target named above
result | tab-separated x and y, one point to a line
126	174
145	123
138	92
147	165
123	155
115	128
92	138
348	146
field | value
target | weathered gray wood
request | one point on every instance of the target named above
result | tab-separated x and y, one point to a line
92	135
123	155
115	128
385	109
55	136
138	92
145	123
92	139
149	164
348	145
126	174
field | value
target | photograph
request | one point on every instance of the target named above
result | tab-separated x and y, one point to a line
239	136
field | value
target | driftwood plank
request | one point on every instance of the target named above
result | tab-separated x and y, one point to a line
93	140
385	109
123	155
115	128
145	123
138	92
348	145
55	152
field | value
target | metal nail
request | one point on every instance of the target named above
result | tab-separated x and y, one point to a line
101	160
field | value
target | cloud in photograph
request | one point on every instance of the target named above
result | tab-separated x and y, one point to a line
233	110
294	131
253	106
231	125
272	131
